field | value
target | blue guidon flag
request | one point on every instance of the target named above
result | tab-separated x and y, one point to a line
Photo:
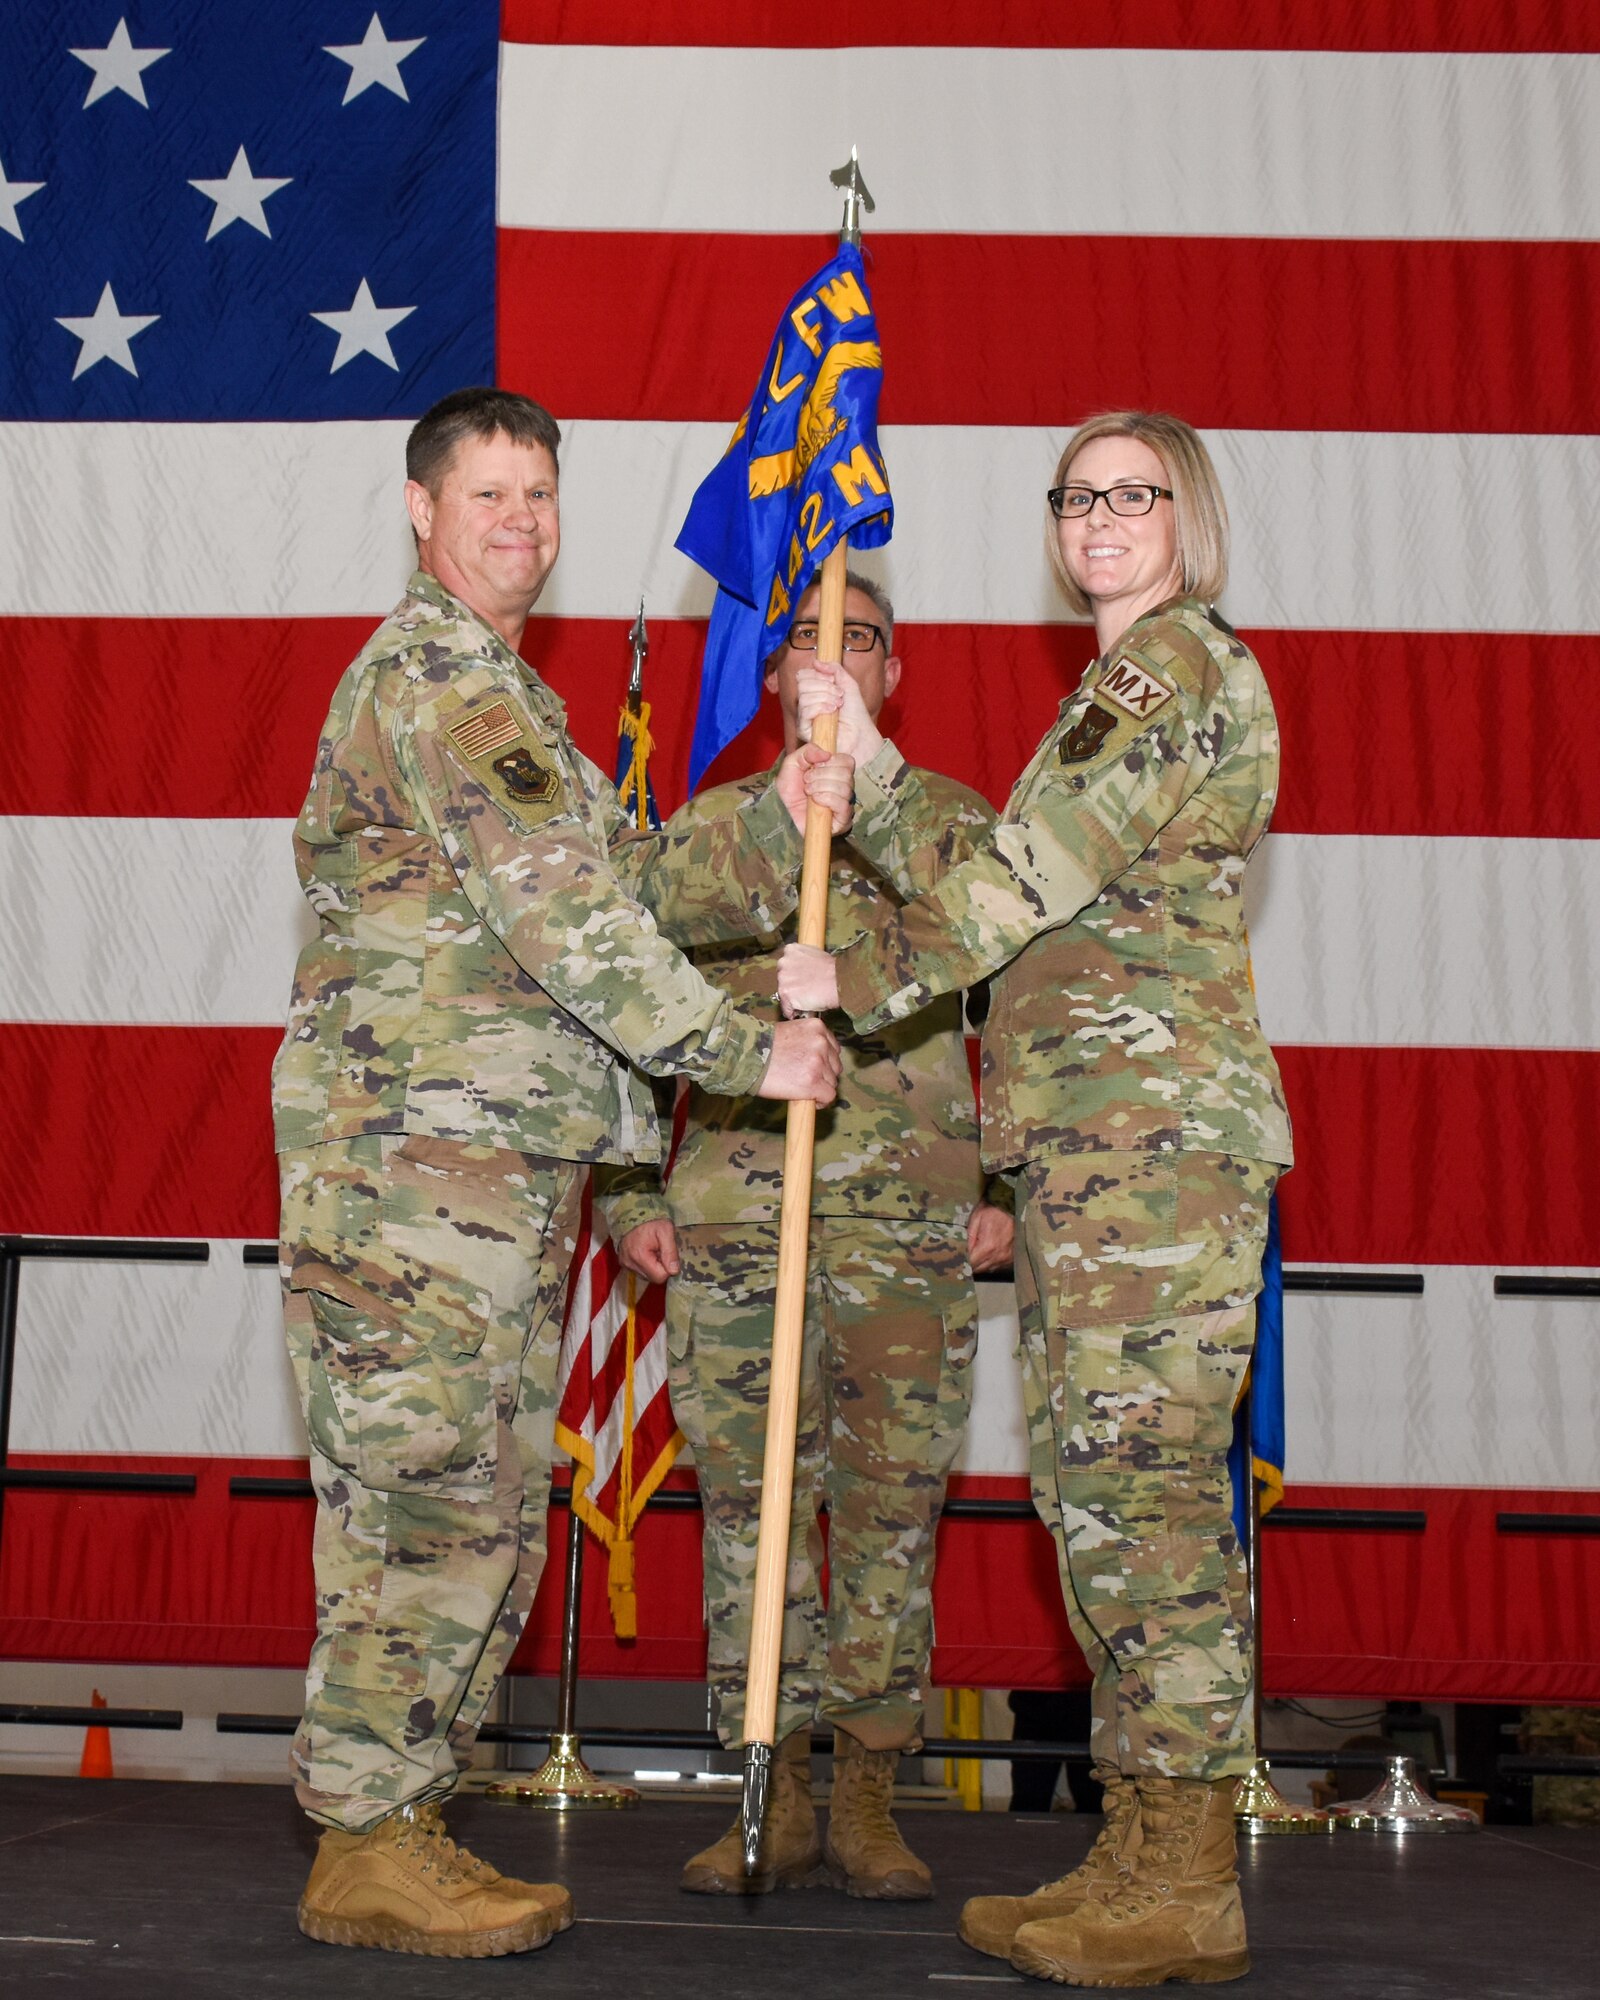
802	470
1258	1426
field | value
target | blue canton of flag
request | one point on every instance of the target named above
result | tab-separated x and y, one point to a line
1258	1427
245	212
803	469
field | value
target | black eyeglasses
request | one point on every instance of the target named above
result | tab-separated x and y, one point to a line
857	638
1067	503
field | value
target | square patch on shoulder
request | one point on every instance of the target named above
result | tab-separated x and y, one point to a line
491	729
1134	688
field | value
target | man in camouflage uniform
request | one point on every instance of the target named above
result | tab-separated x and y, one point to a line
462	1041
1128	1091
897	1224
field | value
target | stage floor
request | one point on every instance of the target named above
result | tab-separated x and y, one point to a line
119	1890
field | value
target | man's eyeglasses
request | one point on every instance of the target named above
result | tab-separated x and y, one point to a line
857	638
1067	503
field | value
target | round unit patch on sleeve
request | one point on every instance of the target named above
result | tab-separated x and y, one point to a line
1087	734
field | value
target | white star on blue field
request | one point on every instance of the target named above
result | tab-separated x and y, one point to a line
239	213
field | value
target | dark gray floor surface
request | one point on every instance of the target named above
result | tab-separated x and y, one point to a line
118	1890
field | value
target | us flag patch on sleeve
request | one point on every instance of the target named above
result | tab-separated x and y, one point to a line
490	729
1134	688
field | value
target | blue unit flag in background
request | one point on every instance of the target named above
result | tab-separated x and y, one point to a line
803	469
235	213
1258	1429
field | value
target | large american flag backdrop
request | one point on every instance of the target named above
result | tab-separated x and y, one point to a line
1358	244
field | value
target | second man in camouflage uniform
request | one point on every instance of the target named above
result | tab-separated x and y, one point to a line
897	1225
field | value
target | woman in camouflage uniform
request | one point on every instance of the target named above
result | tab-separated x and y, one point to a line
1130	1094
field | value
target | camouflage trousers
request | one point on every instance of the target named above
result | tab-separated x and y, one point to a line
885	1387
423	1282
1136	1282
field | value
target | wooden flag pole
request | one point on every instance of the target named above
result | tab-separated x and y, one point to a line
794	1231
789	1311
795	1219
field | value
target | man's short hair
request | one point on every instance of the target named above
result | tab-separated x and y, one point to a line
854	580
479	413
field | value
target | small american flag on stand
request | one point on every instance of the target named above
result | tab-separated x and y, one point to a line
614	1418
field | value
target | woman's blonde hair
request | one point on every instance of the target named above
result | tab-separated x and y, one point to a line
1200	512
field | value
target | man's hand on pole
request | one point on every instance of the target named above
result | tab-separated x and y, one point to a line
808	980
805	1062
811	774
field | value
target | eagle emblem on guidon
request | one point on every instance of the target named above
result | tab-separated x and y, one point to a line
525	778
819	422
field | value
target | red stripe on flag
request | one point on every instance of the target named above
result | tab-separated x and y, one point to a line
1380	25
1280	334
182	718
1442	1156
110	1131
1426	733
1414	1156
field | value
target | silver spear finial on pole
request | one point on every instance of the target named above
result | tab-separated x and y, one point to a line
639	640
856	198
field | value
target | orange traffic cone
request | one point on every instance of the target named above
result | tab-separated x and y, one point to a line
96	1759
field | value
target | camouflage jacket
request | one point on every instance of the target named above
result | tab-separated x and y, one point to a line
484	970
901	1139
1125	1018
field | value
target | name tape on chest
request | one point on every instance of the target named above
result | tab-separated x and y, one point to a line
1134	688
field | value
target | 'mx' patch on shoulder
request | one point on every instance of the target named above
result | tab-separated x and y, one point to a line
1134	688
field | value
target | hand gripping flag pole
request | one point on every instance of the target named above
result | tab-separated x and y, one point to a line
788	1326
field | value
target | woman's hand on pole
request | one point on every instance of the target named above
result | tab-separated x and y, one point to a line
826	687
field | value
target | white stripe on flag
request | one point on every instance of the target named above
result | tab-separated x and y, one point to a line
1329	532
1224	142
1359	939
1455	1388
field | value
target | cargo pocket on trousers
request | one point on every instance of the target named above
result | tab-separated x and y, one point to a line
398	1413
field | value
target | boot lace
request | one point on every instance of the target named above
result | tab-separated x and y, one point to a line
437	1853
1107	1843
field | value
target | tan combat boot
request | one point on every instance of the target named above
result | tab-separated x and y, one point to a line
790	1855
865	1854
1177	1916
990	1923
406	1886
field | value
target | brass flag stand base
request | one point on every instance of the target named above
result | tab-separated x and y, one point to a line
564	1782
1260	1808
1399	1805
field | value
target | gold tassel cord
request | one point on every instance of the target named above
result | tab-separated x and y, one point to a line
633	793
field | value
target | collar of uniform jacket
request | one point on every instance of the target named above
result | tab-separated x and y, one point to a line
480	637
1179	603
